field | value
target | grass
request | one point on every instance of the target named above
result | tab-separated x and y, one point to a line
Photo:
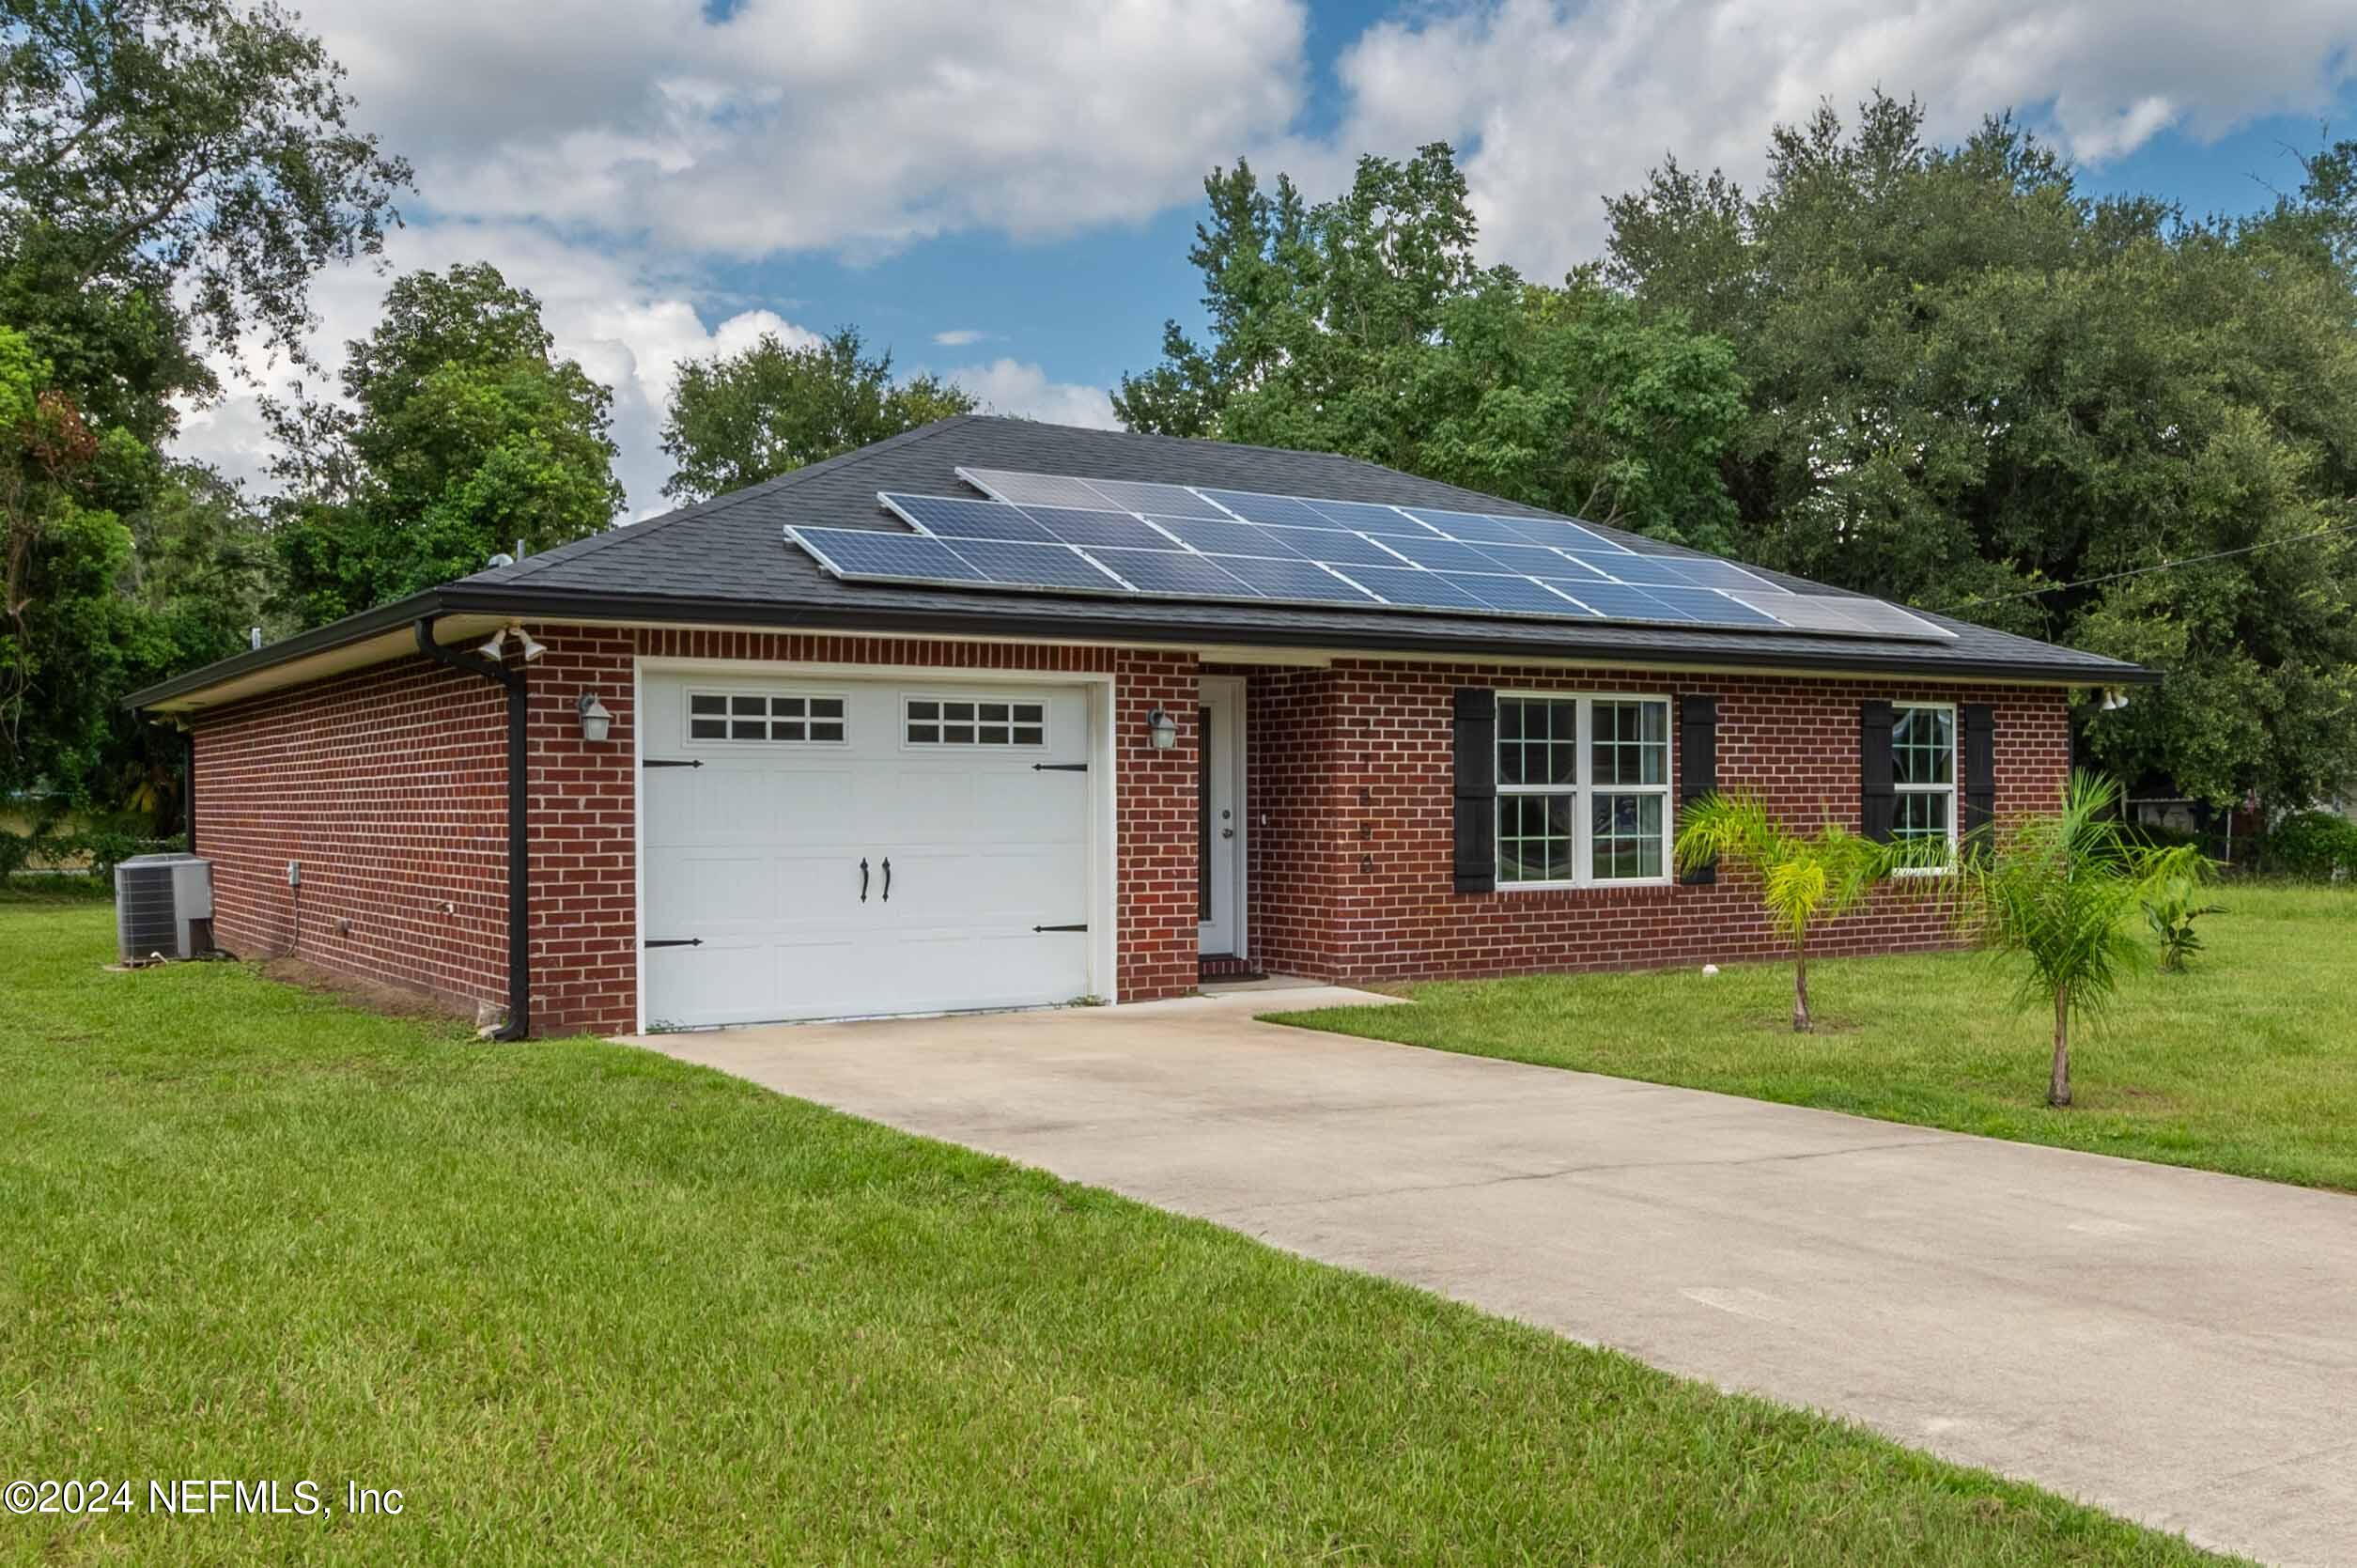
582	1303
2245	1062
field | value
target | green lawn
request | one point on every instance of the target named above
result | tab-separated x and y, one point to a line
2245	1062
581	1303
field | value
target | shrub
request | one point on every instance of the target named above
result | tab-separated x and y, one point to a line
2170	908
2315	844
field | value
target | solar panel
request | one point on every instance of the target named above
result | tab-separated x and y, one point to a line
1519	596
1227	539
1478	527
955	516
1616	601
1337	548
1531	560
873	552
1712	608
1833	612
1269	508
1407	585
1713	573
1116	530
1040	490
1646	571
1118	536
1165	499
1876	614
1301	580
1031	565
1443	554
1174	571
1367	519
1558	535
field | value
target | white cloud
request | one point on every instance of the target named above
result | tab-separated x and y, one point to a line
628	323
1563	105
1007	386
846	125
610	154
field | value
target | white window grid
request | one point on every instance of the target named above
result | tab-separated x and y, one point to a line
1585	783
768	718
970	721
1923	770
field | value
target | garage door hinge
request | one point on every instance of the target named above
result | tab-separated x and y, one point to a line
673	941
671	762
1082	926
1059	767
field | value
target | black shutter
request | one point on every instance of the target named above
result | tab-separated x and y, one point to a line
1981	771
1876	800
1476	789
1698	767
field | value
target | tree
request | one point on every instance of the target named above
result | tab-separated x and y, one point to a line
1969	385
62	625
1366	325
198	145
737	419
2060	893
1805	881
461	433
172	173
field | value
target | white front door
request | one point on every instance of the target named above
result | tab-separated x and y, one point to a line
834	849
1220	815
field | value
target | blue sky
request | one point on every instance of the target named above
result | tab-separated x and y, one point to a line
1006	194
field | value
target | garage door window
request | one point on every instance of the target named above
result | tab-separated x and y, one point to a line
767	717
977	722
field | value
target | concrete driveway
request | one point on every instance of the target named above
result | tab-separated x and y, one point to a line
2175	1346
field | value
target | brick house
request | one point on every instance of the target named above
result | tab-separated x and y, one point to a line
942	725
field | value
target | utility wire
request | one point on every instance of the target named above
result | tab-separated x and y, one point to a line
2140	572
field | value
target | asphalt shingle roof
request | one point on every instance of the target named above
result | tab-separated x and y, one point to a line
727	562
732	550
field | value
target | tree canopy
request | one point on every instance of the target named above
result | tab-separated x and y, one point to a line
737	419
459	433
1365	325
1969	383
172	174
1944	375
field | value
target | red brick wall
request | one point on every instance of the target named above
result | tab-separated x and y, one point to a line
1155	795
1351	769
389	786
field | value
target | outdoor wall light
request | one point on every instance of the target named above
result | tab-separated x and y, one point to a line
1162	729
595	720
2114	699
497	648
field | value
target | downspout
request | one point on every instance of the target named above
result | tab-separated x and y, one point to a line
187	784
519	1022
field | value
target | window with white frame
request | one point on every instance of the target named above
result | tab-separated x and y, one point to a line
797	718
1923	772
978	722
1583	790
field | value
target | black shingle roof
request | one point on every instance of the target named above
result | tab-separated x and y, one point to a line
726	561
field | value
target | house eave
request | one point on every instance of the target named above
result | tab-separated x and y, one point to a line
246	674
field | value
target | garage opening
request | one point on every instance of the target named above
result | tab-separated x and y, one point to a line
822	849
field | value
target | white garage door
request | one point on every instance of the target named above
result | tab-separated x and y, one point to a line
818	848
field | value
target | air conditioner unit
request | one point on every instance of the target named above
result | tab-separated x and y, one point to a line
163	908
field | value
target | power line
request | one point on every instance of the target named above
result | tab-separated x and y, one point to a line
2141	571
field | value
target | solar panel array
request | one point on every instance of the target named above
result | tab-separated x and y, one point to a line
1056	533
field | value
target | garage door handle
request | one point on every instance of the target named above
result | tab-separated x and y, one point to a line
863	878
888	878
